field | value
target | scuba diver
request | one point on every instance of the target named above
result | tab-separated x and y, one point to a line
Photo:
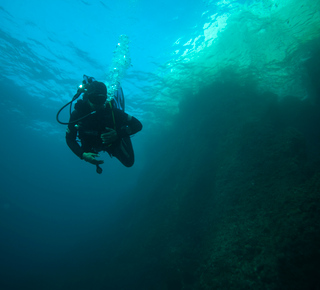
100	125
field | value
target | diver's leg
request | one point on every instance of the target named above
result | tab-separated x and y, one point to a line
124	152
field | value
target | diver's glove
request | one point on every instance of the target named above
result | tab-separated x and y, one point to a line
110	136
91	158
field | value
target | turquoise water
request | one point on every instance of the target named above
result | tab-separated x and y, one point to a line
56	213
174	47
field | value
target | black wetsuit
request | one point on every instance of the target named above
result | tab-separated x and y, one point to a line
89	131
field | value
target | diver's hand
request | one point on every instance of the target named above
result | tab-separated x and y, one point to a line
91	158
110	136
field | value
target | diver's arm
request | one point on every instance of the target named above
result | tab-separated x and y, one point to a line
130	126
73	145
71	136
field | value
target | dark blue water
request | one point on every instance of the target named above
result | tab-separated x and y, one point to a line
225	187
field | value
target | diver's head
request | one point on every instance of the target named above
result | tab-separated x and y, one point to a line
97	95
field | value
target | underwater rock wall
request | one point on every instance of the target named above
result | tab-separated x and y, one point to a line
230	200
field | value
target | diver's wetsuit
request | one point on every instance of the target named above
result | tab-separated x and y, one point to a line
89	131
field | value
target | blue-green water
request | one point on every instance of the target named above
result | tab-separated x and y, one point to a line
202	77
